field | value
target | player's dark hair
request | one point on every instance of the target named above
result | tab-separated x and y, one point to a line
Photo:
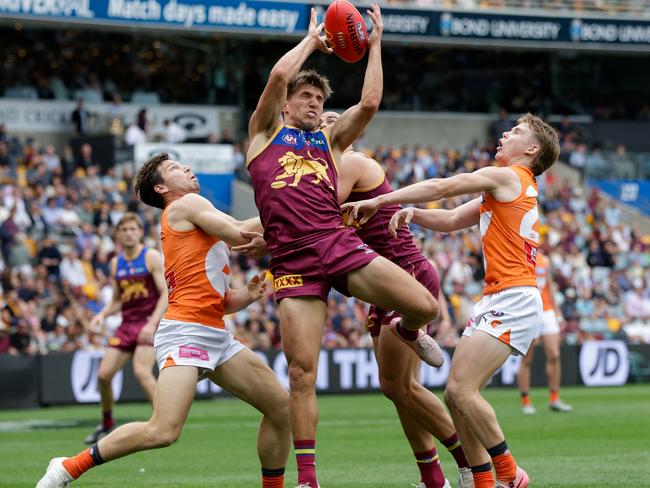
312	78
147	178
549	145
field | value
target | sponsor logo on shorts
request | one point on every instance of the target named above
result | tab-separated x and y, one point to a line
496	323
289	281
191	352
114	341
497	313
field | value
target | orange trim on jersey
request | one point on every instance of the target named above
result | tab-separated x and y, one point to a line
196	266
510	236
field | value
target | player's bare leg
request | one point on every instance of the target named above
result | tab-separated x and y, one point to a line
385	284
523	380
551	344
248	378
399	377
398	370
476	359
302	321
112	362
175	391
144	358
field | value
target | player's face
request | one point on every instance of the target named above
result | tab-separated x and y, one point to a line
129	234
304	108
518	142
328	119
179	178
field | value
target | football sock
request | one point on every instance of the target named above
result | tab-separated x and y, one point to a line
82	462
553	396
453	446
430	471
306	460
107	420
483	477
273	478
525	399
504	464
408	334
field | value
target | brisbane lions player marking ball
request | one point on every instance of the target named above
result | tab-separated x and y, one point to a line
346	31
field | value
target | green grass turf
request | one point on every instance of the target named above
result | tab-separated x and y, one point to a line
604	442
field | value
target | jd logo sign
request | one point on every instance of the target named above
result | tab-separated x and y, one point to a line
83	375
604	363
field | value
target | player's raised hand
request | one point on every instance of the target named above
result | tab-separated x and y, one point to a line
257	287
400	218
256	246
315	32
367	208
377	24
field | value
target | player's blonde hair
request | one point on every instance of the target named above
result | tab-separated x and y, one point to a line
309	77
130	217
549	145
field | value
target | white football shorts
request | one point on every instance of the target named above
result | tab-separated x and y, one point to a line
513	315
187	344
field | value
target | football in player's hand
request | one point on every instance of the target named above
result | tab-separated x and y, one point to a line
346	31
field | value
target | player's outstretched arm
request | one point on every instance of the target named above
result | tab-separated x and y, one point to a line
238	298
354	120
441	220
488	179
198	211
265	118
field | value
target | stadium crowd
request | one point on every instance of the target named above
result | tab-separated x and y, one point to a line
58	215
117	68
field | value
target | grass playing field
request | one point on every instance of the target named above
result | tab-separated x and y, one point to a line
605	442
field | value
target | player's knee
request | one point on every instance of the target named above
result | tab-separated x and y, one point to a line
455	395
301	377
396	391
105	378
142	373
164	437
425	309
553	357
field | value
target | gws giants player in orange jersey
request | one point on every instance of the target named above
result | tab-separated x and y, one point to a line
191	341
508	317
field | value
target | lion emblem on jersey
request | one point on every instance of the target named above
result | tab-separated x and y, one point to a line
133	290
296	167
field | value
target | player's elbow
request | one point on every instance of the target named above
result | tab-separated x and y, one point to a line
369	104
279	74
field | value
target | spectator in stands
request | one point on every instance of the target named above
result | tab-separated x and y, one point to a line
85	159
137	132
81	118
174	133
624	167
3	133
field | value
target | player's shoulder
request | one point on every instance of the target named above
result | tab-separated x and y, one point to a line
152	257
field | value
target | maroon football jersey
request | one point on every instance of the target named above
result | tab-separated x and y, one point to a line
295	179
375	232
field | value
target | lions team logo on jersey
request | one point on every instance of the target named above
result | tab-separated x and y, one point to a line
132	289
296	167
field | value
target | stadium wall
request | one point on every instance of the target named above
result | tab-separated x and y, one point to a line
60	379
